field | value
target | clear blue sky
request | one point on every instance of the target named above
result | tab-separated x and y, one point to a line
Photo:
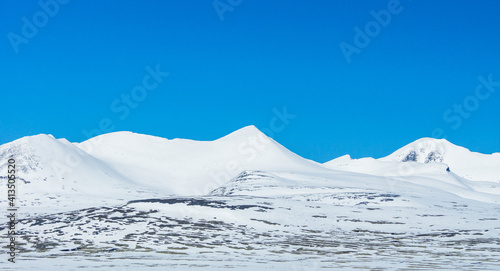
230	73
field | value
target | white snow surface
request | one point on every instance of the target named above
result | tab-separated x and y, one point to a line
247	201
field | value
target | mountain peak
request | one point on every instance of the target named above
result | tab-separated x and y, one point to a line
424	150
245	132
36	138
432	141
29	142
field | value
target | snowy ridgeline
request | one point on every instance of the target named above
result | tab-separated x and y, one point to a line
246	202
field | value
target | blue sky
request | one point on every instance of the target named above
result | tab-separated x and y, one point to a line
235	64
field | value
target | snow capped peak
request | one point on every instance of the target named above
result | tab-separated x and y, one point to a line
424	150
29	148
423	156
470	165
245	132
34	138
248	129
183	166
127	138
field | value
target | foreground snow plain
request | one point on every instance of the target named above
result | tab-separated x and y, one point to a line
125	201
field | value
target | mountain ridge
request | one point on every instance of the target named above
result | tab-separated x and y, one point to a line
250	143
125	165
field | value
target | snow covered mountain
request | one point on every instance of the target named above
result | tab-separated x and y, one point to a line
54	172
470	165
438	155
187	167
121	166
245	199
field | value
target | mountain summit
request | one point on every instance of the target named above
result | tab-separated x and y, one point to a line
182	166
459	160
469	165
425	150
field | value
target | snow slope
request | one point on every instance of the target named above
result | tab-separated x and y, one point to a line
344	221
